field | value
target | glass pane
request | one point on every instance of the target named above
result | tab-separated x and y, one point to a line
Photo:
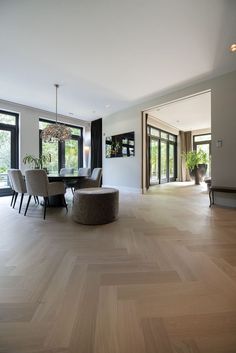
43	124
5	157
164	135
154	177
154	132
200	138
75	131
206	148
71	154
7	119
163	160
172	138
52	148
171	161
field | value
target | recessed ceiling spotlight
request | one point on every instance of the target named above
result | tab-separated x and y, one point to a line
177	121
233	47
107	106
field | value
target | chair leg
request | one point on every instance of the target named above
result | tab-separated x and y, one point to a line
65	204
28	202
16	194
21	200
13	196
46	201
36	200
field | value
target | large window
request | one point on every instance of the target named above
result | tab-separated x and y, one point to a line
8	148
162	156
68	154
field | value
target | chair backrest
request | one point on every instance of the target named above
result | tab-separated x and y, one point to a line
36	182
84	171
97	175
64	171
17	180
10	178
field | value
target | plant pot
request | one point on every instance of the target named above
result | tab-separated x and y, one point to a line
198	173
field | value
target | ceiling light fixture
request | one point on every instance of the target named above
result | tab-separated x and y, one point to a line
107	106
57	131
233	48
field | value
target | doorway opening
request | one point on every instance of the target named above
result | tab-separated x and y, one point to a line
170	130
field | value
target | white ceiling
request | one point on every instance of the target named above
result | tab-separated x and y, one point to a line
191	113
110	52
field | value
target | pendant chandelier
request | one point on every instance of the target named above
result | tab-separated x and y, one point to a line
57	131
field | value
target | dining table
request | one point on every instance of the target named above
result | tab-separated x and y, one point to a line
58	200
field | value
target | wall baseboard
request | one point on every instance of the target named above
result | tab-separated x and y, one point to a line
125	189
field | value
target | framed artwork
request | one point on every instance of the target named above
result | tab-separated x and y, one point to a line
122	145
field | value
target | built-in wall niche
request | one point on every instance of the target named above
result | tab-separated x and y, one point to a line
120	145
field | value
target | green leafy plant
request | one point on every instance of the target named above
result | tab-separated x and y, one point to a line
194	158
37	162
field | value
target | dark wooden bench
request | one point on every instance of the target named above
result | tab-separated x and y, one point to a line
225	189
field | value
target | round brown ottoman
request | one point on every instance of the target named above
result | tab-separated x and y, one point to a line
95	205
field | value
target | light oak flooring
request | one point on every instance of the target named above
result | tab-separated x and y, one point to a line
162	279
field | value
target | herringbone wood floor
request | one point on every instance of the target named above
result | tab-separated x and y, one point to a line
162	279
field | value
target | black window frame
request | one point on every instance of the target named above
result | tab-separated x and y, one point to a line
61	145
195	143
14	129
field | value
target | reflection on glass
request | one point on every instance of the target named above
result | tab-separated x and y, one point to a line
154	177
5	157
171	161
163	160
71	154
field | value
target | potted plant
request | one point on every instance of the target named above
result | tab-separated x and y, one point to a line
37	162
196	163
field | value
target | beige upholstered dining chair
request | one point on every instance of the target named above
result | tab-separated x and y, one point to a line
11	186
64	171
84	172
18	186
69	183
92	182
37	184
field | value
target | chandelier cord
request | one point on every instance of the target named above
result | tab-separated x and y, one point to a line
57	86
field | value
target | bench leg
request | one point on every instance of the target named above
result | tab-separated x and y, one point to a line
212	198
210	192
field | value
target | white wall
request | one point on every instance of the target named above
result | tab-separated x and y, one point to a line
124	173
29	127
223	97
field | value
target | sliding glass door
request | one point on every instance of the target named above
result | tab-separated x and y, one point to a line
162	156
8	148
